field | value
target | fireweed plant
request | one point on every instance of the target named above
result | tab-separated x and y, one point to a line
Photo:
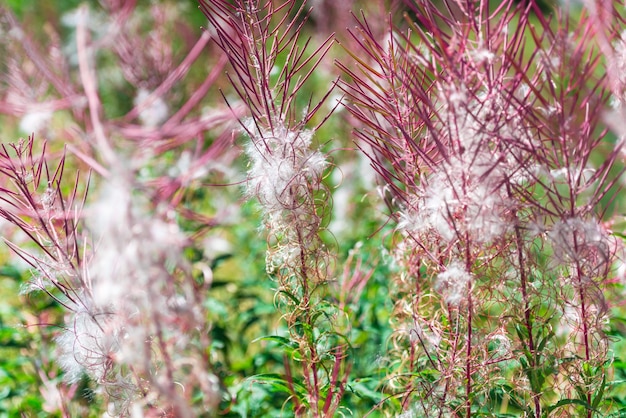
286	175
134	318
488	127
496	133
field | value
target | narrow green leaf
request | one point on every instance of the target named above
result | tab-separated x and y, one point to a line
564	402
599	394
280	383
544	341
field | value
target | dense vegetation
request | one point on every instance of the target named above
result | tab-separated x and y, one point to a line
287	208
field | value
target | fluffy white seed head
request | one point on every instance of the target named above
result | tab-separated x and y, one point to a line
155	113
454	283
86	346
282	167
35	121
583	242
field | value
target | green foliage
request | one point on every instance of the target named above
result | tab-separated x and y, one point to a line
256	347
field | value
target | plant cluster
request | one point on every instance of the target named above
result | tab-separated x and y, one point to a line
435	229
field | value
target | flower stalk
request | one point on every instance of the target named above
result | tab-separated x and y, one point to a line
285	177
